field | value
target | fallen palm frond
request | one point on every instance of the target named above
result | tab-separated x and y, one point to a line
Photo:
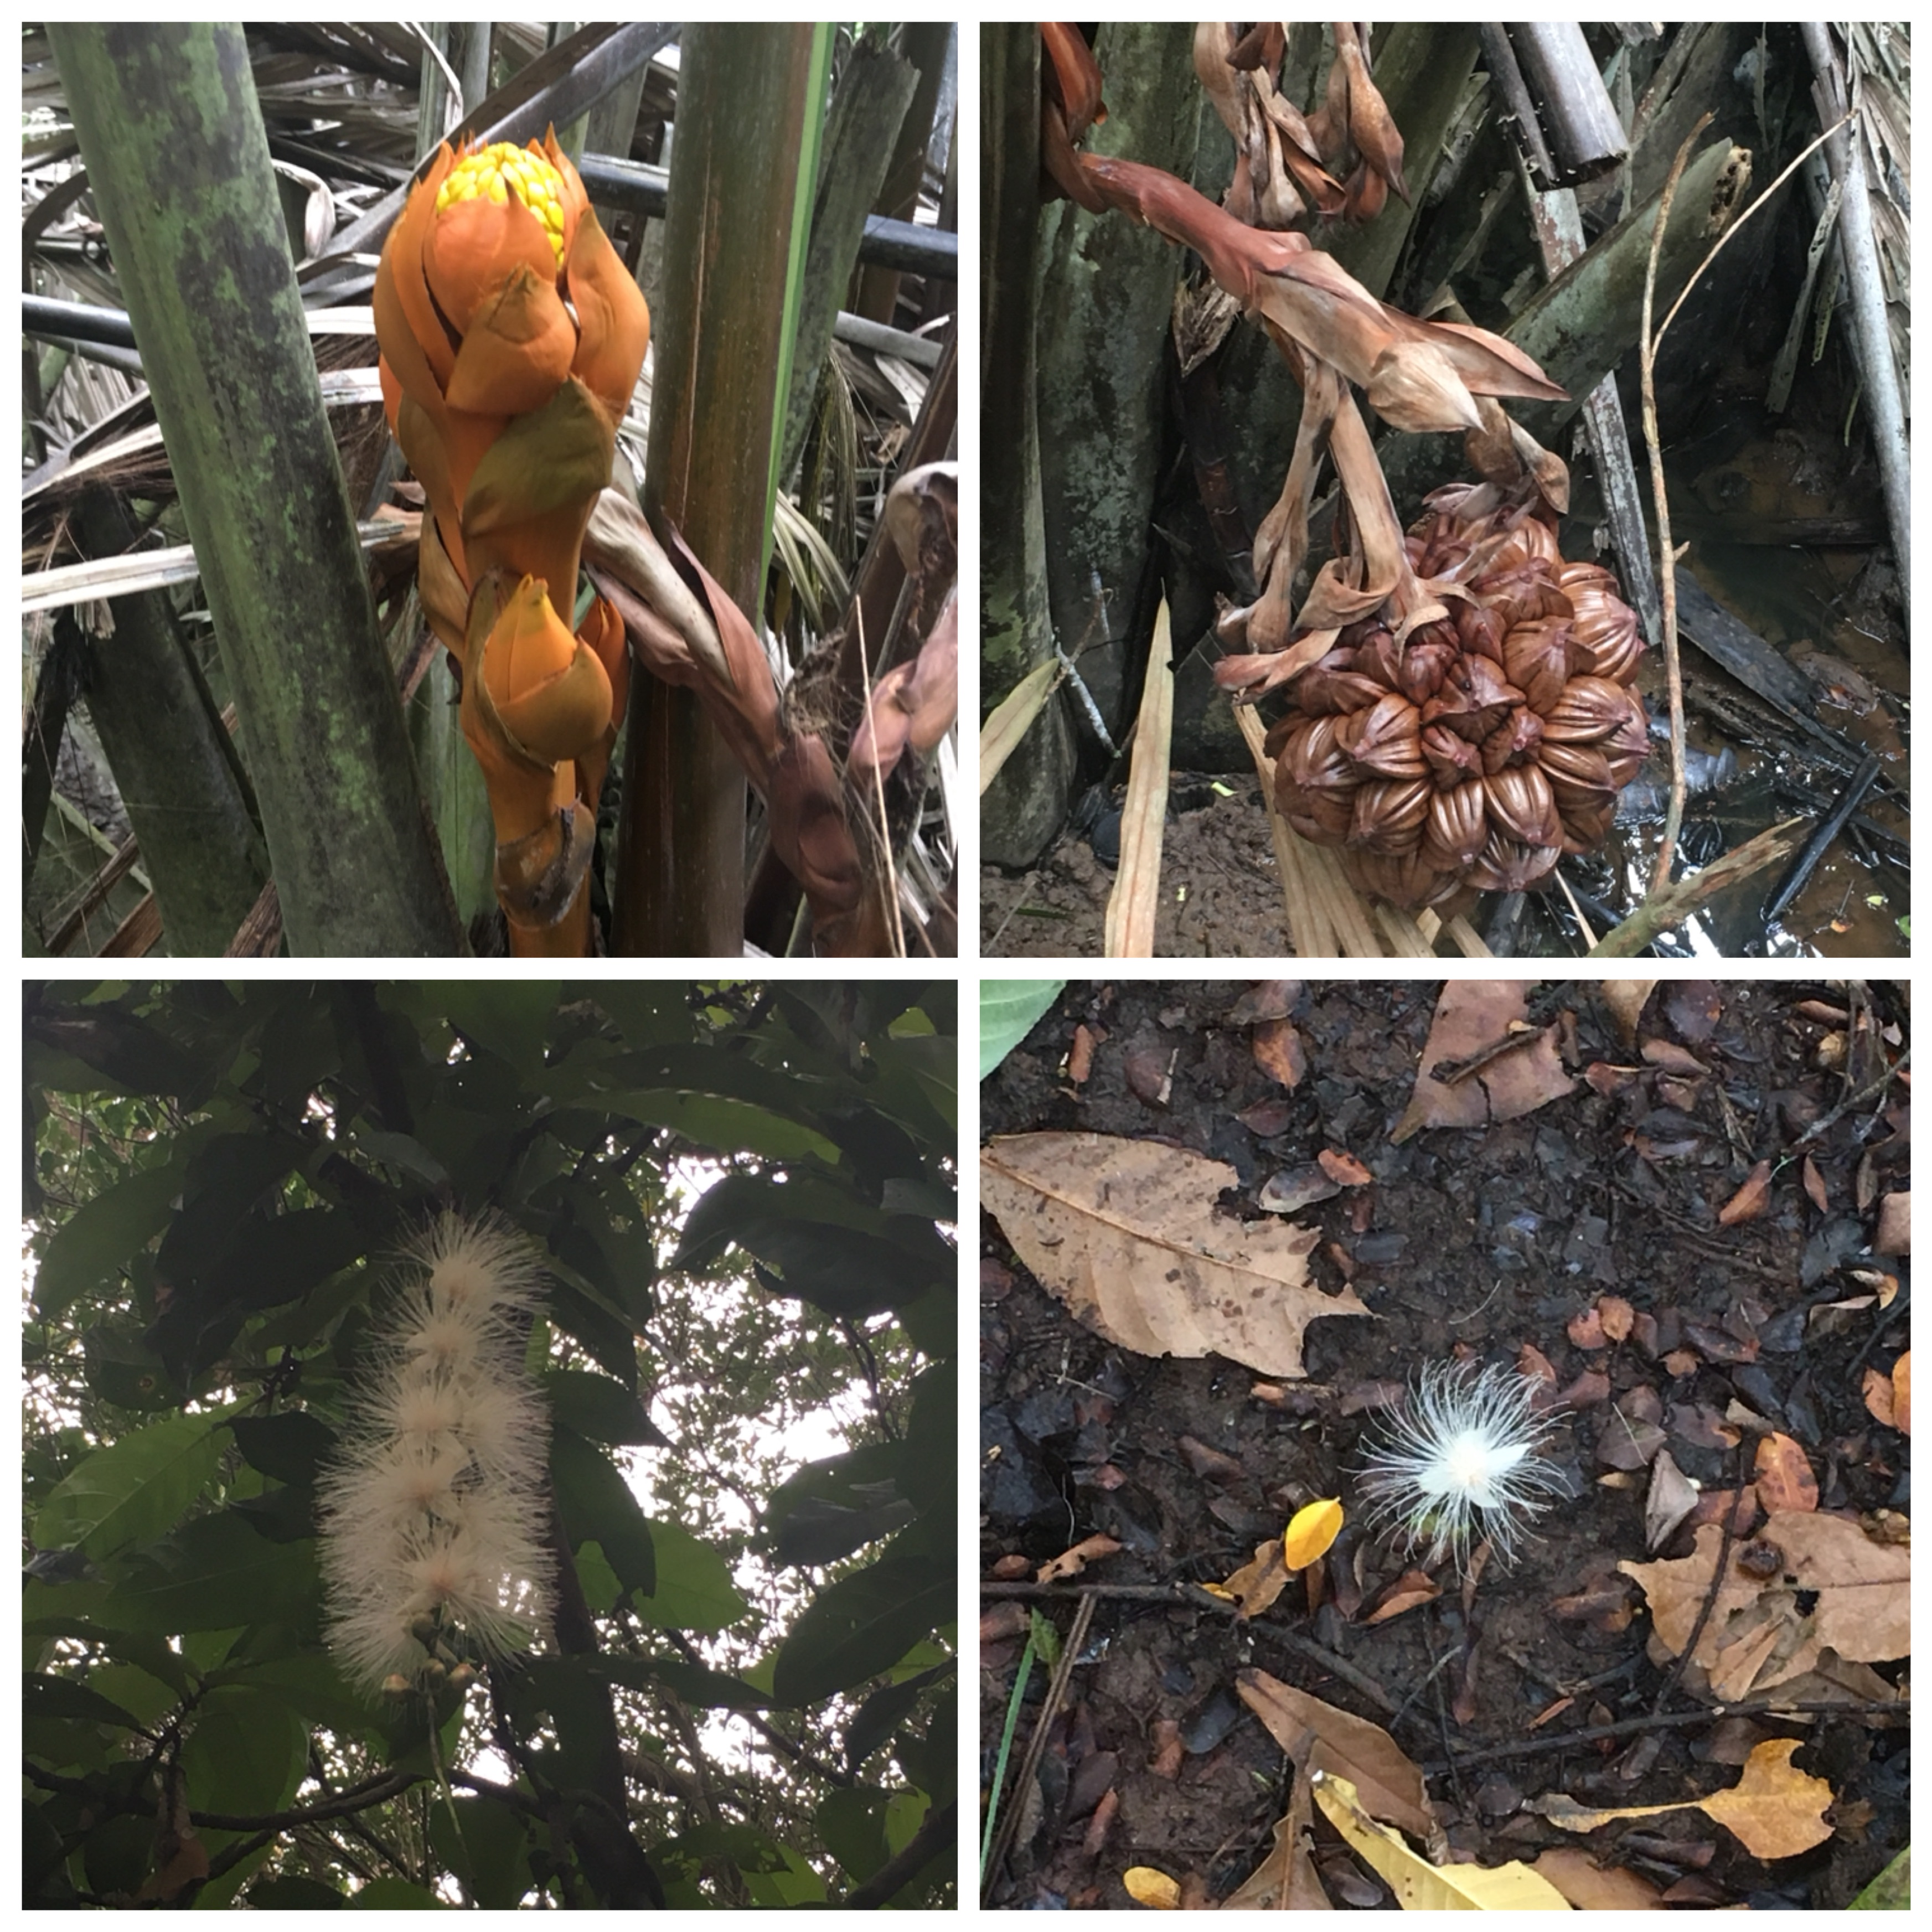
1134	904
1009	720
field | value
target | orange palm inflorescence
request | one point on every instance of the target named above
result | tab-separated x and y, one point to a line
511	338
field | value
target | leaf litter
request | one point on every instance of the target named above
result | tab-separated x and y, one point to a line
1599	1201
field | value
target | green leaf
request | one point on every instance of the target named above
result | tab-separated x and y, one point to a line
295	1894
116	1853
725	1126
487	1846
245	1753
693	1684
795	1885
402	1151
216	1575
883	1711
291	1447
597	1506
99	1234
133	1490
49	1696
1891	1890
509	1017
1008	1009
600	1408
577	1309
597	1579
695	1591
395	1894
861	1626
853	1824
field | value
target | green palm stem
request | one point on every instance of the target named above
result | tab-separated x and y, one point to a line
177	160
747	98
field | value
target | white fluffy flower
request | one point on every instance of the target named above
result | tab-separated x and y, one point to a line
1462	1462
433	1508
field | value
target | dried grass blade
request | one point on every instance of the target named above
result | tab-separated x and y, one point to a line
1135	897
1009	720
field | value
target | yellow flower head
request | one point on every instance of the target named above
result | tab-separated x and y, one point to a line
503	171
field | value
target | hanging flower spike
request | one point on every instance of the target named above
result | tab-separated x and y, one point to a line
432	1542
512	338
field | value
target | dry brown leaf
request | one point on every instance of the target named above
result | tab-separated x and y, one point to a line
1625	999
1343	1167
1774	1810
1080	1058
1472	1017
1750	1200
1814	1186
1586	1328
1286	1879
1279	1051
1409	1591
1671	1497
1618	1316
1590	1887
1878	1396
1895	1224
1388	1781
1255	1585
1071	1562
1125	1233
1783	1475
1265	999
1836	1589
1901	1392
1667	1057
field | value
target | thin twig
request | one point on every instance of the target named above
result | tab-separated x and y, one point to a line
1711	1596
1195	1598
1673	817
940	1831
1722	240
1899	1711
1830	1120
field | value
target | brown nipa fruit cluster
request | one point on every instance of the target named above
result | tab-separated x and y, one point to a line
1490	743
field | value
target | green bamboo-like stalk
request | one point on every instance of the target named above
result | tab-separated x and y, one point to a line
746	96
177	160
870	103
170	758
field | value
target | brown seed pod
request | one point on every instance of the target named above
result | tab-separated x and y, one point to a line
1493	738
1458	827
1385	740
1316	782
1389	814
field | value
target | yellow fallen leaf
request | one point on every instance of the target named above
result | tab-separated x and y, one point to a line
1310	1531
1774	1810
1420	1886
1155	1889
